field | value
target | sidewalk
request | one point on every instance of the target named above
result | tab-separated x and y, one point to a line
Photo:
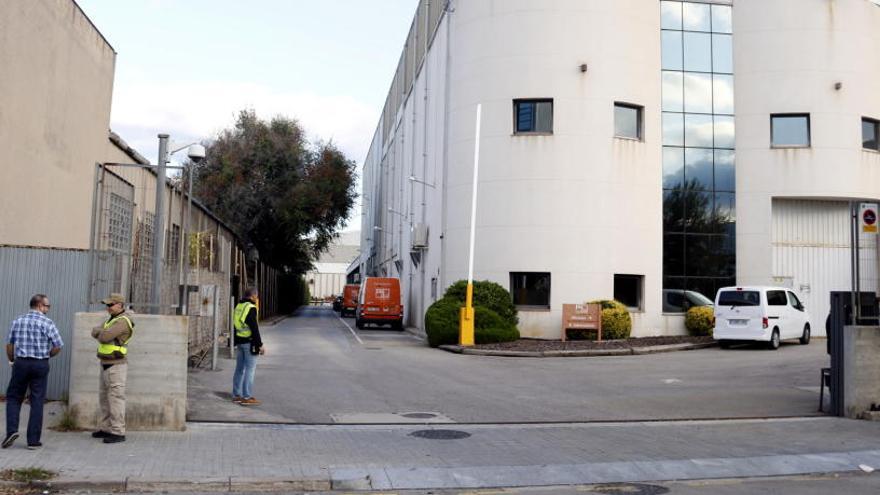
223	457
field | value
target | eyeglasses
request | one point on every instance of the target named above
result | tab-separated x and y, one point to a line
111	305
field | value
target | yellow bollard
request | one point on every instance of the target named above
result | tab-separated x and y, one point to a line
466	319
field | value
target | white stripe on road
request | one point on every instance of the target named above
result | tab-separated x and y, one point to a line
351	330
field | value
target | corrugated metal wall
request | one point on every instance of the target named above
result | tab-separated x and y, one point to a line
324	285
811	253
60	274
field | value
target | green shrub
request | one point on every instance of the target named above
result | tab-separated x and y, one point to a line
487	294
616	320
441	324
699	320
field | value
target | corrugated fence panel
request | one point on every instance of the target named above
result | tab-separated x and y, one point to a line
60	274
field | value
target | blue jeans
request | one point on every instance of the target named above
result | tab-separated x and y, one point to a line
243	378
33	373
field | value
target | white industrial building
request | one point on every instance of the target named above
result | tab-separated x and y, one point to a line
629	149
328	274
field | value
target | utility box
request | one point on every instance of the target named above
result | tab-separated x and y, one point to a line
420	236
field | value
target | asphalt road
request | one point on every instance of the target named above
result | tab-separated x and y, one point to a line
318	369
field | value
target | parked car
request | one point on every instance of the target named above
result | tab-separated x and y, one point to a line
680	301
766	314
337	303
379	303
350	300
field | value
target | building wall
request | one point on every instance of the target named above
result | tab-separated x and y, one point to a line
790	64
579	204
55	94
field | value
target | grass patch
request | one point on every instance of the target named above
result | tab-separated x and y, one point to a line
67	421
26	475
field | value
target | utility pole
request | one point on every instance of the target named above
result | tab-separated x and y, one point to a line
159	226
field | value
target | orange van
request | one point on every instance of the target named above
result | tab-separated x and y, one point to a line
379	303
350	299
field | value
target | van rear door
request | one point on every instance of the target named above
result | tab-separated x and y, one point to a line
739	312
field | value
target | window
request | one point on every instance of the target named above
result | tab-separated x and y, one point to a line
628	290
776	298
739	298
627	121
870	134
530	289
790	130
533	116
795	302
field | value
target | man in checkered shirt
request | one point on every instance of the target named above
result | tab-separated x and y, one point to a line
32	340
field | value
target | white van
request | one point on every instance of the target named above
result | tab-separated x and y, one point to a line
768	314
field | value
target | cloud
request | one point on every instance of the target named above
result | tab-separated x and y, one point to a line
194	111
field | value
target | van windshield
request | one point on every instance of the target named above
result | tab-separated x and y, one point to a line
739	298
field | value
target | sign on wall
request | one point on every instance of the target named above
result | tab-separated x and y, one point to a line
868	218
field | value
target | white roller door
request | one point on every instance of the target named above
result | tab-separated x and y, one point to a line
811	252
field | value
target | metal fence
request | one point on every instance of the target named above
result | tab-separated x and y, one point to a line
61	274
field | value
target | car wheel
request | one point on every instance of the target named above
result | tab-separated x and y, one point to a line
725	344
359	324
805	338
774	340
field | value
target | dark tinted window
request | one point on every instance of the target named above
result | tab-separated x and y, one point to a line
871	134
530	289
740	298
628	290
793	299
776	298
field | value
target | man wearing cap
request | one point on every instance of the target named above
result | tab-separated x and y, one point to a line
113	337
32	340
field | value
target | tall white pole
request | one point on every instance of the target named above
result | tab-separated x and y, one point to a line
474	199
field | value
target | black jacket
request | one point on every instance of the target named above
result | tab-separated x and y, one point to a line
251	321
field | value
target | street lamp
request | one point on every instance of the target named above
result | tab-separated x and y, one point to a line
196	153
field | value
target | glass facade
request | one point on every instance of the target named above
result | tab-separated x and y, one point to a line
699	200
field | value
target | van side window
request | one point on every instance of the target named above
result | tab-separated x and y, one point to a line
795	302
776	298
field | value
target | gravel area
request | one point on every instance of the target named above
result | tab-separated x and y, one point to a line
534	345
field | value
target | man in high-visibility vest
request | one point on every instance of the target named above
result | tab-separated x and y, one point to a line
113	337
248	345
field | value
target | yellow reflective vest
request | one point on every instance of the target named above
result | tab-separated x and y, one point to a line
239	316
110	350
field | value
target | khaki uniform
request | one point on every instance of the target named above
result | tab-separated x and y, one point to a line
114	371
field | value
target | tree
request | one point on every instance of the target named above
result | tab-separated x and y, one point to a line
284	196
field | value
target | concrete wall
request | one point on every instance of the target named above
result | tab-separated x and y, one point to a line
55	94
580	203
861	373
157	359
788	63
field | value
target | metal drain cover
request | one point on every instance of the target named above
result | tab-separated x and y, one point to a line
419	415
630	489
440	434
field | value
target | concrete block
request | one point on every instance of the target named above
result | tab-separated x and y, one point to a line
157	372
861	358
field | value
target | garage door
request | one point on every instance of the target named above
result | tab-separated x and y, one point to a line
811	253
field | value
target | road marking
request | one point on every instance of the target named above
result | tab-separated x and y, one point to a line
351	330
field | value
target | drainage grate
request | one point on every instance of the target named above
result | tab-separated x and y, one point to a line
630	489
440	434
419	415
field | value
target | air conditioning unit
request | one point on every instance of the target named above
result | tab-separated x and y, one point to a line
420	236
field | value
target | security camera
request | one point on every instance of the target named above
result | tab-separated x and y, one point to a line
196	153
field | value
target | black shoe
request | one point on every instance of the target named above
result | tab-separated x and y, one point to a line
9	440
111	438
35	446
100	434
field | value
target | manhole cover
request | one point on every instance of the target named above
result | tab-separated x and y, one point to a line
630	489
419	415
440	434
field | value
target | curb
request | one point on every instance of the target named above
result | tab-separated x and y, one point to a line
209	485
629	351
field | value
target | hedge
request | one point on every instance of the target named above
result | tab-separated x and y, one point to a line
487	294
699	320
616	320
442	325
